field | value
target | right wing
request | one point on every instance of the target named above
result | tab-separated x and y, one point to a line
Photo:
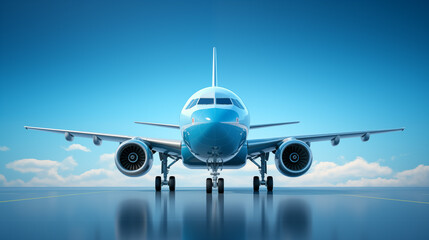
258	146
171	147
271	124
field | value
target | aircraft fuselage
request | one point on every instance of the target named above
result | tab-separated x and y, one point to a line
214	124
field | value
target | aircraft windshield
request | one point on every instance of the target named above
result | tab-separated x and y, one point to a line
206	101
237	103
192	103
224	101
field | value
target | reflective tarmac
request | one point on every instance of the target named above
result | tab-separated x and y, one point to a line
288	213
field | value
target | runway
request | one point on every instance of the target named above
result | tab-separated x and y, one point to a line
287	213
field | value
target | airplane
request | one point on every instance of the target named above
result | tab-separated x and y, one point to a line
214	125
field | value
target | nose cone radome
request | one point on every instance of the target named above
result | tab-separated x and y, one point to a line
215	133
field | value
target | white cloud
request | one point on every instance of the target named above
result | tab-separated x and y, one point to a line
2	178
108	160
358	172
417	177
68	164
107	157
31	165
51	173
4	149
76	146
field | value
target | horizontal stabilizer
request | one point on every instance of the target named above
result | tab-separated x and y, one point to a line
159	124
271	124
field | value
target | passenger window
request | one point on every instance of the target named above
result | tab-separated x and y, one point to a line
237	103
206	101
192	103
224	101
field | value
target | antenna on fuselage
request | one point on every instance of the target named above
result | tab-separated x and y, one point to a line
214	74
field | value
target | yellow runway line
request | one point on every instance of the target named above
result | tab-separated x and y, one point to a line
65	195
389	199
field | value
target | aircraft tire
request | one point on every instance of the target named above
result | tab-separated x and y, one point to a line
256	184
157	183
270	183
220	185
209	185
172	183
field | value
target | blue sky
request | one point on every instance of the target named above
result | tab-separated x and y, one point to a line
100	65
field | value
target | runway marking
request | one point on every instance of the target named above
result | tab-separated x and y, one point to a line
389	199
57	196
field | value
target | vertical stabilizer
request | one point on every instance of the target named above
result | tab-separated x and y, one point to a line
214	75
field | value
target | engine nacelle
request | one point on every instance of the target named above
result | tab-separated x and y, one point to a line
69	137
293	158
134	158
365	137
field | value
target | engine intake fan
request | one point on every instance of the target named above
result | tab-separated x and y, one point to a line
134	158
293	158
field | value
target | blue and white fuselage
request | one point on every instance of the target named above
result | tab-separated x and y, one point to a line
214	124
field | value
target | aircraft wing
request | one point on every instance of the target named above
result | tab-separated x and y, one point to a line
171	147
271	124
160	124
257	146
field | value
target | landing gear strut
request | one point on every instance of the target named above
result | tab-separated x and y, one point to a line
269	183
214	182
171	182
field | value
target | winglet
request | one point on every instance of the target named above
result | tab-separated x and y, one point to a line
214	74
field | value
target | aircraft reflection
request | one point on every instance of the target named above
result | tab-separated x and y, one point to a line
133	220
183	215
294	219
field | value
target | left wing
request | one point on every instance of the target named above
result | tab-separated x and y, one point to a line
257	146
171	147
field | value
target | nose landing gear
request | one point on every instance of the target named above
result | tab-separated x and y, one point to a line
214	182
269	183
210	185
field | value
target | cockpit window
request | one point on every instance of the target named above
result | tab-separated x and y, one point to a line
224	101
237	103
192	103
206	101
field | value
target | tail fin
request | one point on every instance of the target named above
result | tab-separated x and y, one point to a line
214	75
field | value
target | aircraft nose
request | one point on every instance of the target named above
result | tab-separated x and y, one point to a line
214	133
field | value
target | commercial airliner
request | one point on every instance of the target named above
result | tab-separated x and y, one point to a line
214	125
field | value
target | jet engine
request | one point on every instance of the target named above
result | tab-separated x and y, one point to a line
293	158
134	158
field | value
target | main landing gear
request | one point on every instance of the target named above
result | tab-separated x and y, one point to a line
214	182
171	182
269	183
